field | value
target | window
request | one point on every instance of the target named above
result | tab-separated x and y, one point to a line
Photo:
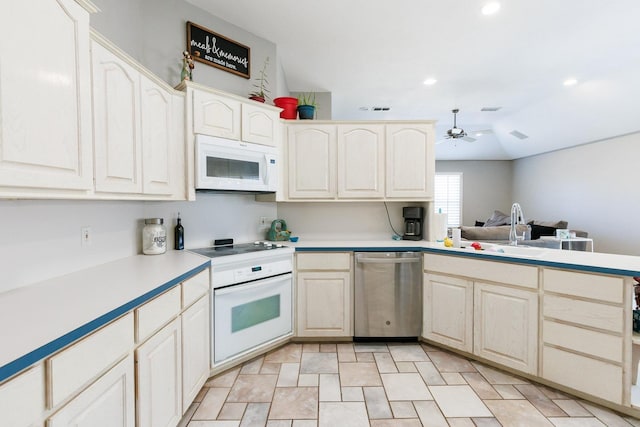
448	197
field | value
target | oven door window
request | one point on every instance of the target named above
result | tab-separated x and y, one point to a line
218	167
255	312
251	314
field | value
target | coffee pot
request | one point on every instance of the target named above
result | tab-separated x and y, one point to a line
413	220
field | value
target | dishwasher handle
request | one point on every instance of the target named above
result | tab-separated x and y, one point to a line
365	260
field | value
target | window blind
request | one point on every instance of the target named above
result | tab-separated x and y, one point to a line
448	197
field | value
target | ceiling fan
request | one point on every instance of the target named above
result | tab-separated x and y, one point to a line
458	133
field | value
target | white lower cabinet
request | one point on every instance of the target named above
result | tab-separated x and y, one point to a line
108	402
325	295
585	328
22	399
506	326
159	378
448	313
195	350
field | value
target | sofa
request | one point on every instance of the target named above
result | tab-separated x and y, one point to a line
537	233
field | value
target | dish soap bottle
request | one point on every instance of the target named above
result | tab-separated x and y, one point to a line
179	234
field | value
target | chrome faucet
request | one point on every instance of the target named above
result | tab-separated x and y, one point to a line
517	217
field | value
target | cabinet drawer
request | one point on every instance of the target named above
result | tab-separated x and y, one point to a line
590	376
513	274
607	317
194	288
583	340
22	398
324	261
602	288
157	312
83	361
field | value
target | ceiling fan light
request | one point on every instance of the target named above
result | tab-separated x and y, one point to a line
490	8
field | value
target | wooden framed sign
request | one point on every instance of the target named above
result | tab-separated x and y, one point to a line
213	49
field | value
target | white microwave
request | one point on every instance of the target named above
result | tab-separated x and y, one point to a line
227	165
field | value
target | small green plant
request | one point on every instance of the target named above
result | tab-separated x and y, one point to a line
307	99
261	83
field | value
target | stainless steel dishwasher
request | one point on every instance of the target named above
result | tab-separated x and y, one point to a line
388	294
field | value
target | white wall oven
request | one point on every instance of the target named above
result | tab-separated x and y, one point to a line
252	291
227	165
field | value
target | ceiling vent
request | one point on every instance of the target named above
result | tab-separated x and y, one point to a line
518	135
490	108
380	108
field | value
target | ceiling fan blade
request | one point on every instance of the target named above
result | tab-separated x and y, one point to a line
468	139
441	141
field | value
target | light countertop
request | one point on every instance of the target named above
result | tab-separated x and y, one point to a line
596	262
39	319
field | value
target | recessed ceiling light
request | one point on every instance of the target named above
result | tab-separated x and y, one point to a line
490	8
430	81
570	82
490	108
363	108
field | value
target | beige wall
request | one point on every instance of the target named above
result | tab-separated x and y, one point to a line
595	187
487	186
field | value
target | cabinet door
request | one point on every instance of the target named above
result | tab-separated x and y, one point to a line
506	326
22	399
108	402
216	115
158	143
159	376
448	311
410	161
195	350
325	304
116	101
361	161
259	125
45	97
312	162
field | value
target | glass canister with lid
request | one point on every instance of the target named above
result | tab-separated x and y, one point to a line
154	237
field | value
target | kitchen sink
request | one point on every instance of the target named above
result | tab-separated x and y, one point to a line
525	251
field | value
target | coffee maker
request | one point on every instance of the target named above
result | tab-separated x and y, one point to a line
413	219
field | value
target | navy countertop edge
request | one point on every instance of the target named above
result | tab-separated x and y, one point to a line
59	343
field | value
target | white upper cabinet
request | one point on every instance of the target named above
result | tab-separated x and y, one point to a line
139	128
216	115
45	97
260	125
361	161
116	102
312	161
410	161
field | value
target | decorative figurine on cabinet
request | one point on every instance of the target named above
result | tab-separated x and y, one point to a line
187	66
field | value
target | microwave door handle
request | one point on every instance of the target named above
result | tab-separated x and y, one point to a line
266	169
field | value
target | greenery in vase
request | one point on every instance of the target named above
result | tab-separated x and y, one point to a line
261	83
307	99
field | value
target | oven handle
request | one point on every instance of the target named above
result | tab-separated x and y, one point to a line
252	285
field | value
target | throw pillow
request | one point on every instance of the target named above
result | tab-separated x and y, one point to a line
479	223
498	218
541	230
554	224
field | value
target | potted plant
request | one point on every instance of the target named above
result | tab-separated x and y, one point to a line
307	105
260	92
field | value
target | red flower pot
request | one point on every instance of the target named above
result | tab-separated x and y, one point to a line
288	105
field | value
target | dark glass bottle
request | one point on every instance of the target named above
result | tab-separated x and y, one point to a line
179	235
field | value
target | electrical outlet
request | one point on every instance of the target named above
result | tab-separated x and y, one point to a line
85	236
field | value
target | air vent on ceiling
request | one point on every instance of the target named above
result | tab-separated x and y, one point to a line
490	108
518	135
380	108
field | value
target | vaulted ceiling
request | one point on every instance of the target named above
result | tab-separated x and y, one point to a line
378	53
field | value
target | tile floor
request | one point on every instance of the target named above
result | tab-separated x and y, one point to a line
383	385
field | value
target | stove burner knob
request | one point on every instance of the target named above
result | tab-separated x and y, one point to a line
279	245
256	242
267	244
